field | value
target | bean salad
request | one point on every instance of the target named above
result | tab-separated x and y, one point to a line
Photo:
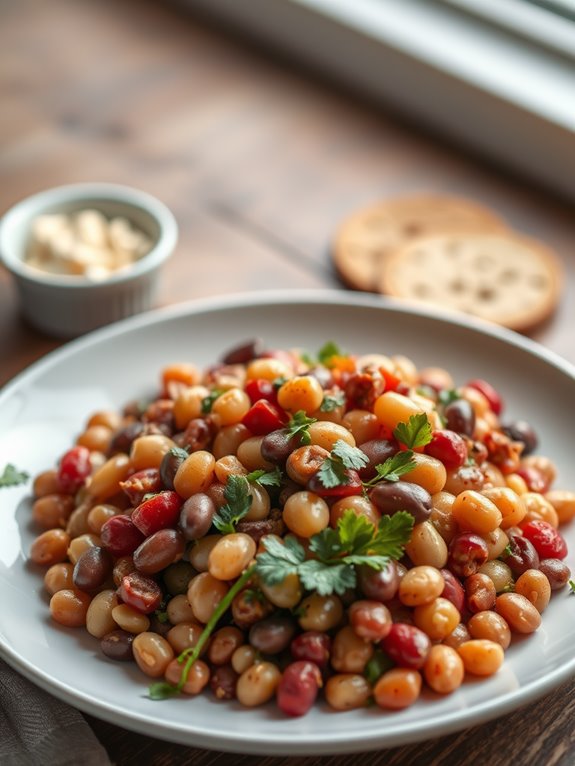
291	526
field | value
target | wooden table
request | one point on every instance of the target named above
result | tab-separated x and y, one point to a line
259	161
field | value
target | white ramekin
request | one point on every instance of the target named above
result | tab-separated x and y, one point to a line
68	306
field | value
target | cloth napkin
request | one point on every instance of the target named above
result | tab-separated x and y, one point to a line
37	729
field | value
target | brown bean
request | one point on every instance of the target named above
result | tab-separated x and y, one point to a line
556	571
518	612
117	645
491	626
164	547
92	569
479	593
535	586
50	547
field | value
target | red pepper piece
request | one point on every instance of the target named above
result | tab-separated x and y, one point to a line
160	511
259	388
264	417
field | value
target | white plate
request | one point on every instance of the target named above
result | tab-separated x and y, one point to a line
43	409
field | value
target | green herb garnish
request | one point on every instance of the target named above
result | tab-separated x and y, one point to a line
266	478
299	424
332	401
415	433
393	468
208	401
379	664
327	352
448	395
238	504
572	586
12	477
333	471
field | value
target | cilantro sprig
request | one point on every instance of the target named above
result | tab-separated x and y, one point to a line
332	401
333	471
415	433
393	468
208	401
265	478
299	424
12	477
238	504
355	542
327	352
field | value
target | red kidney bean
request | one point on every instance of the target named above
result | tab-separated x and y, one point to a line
198	434
370	619
160	511
140	592
460	417
390	497
196	516
480	593
523	555
243	354
453	590
164	547
122	439
117	645
407	645
92	569
223	682
521	431
379	585
492	396
141	483
120	536
467	552
556	571
312	646
272	635
546	540
75	467
377	451
278	445
449	447
297	690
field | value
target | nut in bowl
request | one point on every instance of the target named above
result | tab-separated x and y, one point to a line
86	255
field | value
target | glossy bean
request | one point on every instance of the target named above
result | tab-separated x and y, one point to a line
152	653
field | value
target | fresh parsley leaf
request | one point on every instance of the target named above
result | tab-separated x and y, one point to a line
279	559
326	545
379	664
238	504
415	433
252	595
355	532
448	395
12	477
393	468
162	690
299	423
180	453
278	382
307	358
332	401
393	533
208	401
266	478
327	352
333	470
335	578
506	552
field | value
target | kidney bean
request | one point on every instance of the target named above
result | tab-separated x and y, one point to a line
492	396
120	536
390	497
523	555
164	547
480	593
74	469
556	571
198	435
379	585
312	646
244	353
123	438
449	447
521	431
196	516
117	645
140	592
160	511
453	590
467	553
272	635
546	540
297	690
377	451
223	682
407	645
278	445
460	417
518	612
92	569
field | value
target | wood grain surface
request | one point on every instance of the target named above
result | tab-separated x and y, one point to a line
259	161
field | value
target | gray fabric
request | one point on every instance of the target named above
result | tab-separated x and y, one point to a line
36	729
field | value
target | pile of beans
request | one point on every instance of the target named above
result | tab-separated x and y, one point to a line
132	554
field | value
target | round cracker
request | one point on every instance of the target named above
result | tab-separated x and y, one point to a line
501	277
368	236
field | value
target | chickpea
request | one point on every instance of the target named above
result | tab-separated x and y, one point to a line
231	555
426	546
184	635
198	676
152	653
53	510
347	691
534	585
350	653
392	408
195	474
69	607
188	405
320	612
519	613
59	577
258	684
268	369
231	406
302	392
50	547
204	595
443	669
509	503
228	440
363	425
305	513
438	619
359	504
481	657
429	473
539	509
421	585
99	619
564	504
491	626
397	688
96	438
129	619
474	512
325	434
